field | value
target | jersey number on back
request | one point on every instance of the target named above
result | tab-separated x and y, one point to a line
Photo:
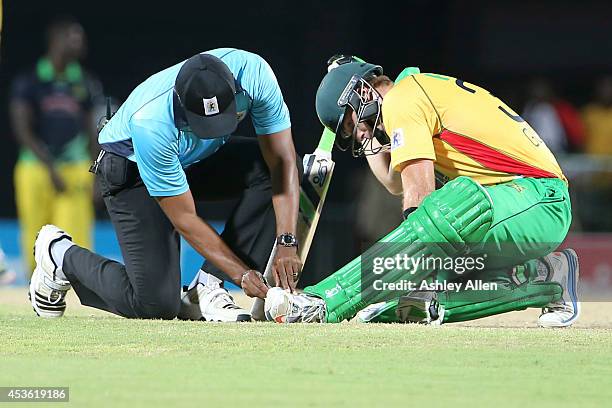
527	131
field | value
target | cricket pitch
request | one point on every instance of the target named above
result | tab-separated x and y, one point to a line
501	361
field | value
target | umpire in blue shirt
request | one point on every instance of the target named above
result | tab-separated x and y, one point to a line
169	144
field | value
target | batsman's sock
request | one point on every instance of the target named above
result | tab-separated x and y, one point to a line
58	250
444	225
206	279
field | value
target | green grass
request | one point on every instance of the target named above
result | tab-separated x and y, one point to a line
107	361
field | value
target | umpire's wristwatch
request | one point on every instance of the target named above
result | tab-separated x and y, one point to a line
287	239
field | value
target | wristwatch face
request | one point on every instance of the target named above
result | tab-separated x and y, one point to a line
287	240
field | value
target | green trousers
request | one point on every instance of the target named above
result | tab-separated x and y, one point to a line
530	219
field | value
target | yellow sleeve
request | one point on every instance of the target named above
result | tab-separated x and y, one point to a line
411	122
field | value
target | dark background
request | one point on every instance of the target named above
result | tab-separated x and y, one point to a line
500	45
496	44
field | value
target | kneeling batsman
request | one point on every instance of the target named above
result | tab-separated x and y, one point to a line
503	197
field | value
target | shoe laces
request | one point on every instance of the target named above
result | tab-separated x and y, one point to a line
306	309
55	290
557	307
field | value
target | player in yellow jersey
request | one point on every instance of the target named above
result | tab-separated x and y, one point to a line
502	208
51	111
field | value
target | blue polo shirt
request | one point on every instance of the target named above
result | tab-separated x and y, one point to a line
144	130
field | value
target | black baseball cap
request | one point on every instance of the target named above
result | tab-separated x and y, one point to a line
205	88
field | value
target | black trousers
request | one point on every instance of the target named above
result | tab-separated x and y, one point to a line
148	285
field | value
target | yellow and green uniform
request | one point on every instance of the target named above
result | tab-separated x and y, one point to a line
465	129
60	104
469	132
506	194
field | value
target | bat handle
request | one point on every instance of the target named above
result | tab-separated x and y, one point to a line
268	271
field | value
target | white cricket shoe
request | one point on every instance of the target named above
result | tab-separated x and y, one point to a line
284	307
371	313
47	291
417	306
565	271
215	304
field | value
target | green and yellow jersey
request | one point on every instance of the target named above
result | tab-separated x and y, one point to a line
464	129
61	104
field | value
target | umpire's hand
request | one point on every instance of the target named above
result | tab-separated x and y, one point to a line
286	267
253	284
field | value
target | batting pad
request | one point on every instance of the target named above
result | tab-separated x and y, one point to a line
470	305
460	307
444	225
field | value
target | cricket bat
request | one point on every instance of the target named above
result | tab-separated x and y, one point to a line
318	170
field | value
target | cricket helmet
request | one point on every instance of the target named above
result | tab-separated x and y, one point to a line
337	92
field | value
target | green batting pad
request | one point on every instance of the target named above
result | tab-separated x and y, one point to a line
444	225
470	305
526	286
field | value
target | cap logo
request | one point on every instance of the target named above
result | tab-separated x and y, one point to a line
211	106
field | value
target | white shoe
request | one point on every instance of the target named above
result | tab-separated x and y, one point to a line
420	307
283	307
203	302
47	291
417	306
565	271
369	313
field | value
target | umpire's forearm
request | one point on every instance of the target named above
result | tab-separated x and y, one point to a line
279	153
205	240
285	194
181	211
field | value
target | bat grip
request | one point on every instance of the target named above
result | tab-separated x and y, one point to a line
326	143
